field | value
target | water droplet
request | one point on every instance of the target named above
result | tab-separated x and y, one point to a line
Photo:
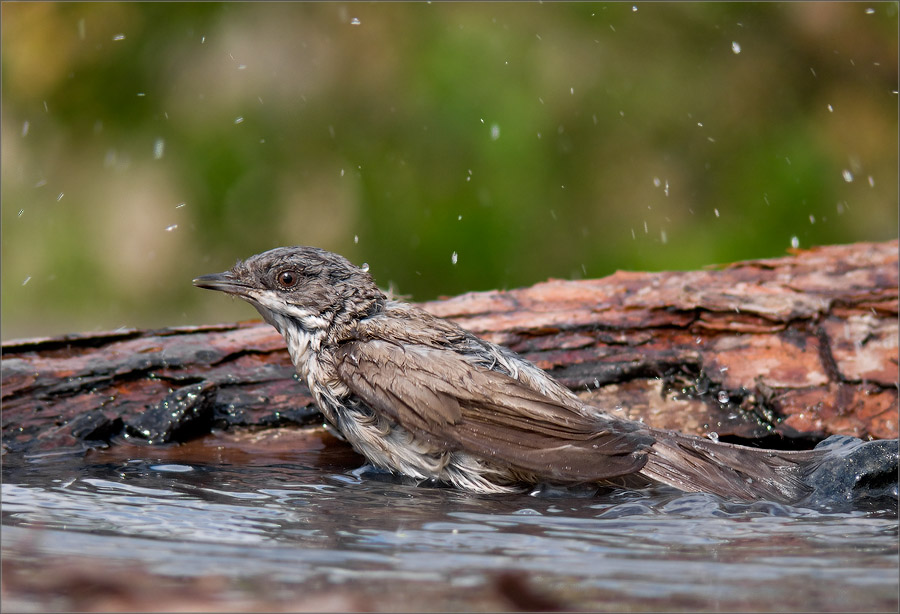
848	176
59	198
830	109
871	181
27	279
657	182
723	397
21	211
25	127
495	132
634	9
354	22
238	120
119	37
365	267
356	238
716	211
171	228
812	219
459	218
870	11
159	147
242	67
795	242
666	189
342	172
736	47
572	90
714	436
141	94
663	237
179	205
454	257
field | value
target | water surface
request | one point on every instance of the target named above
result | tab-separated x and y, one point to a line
280	520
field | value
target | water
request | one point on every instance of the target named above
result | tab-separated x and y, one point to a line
281	520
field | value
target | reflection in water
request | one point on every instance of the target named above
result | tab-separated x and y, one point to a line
295	514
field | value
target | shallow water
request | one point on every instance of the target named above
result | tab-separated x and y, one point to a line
280	521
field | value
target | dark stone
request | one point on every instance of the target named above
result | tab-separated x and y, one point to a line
185	413
855	474
95	426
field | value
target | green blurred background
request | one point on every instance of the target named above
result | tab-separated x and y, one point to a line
144	144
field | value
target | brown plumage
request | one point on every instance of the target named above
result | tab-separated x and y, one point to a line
420	396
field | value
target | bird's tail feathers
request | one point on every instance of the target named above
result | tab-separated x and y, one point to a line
694	464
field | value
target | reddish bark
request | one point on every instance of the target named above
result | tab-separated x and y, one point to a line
793	348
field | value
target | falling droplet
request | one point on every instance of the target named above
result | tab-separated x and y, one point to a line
25	127
119	37
795	242
454	257
495	132
830	109
871	181
27	279
21	212
356	238
238	120
159	147
354	22
812	219
716	211
59	198
171	228
634	9
848	176
179	205
736	47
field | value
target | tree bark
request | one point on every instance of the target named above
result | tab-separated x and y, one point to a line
781	352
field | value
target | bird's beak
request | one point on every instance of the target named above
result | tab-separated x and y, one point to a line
223	282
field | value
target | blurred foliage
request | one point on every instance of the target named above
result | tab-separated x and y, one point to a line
146	143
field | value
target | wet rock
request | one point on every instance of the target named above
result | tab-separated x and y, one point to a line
855	473
186	413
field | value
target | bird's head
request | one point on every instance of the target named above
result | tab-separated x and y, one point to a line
303	287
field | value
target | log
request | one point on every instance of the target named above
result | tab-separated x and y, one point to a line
780	353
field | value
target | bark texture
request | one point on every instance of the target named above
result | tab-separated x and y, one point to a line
782	352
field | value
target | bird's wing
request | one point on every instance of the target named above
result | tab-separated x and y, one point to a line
439	395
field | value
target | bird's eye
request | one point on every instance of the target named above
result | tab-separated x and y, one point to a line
287	279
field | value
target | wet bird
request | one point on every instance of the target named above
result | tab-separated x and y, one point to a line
420	396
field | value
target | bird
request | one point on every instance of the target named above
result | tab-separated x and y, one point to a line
420	396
